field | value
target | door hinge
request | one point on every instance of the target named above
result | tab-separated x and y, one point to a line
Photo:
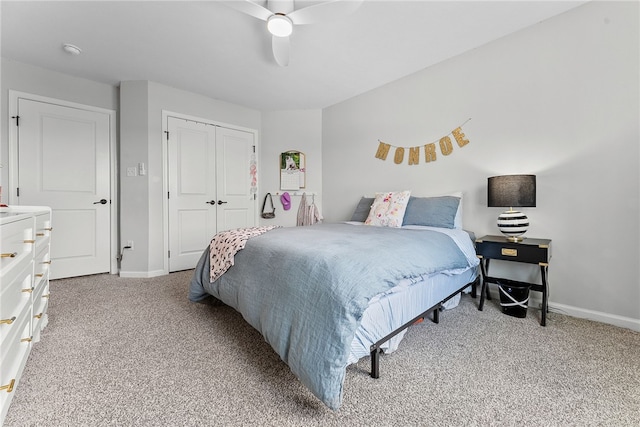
167	194
168	254
17	120
18	192
254	148
167	133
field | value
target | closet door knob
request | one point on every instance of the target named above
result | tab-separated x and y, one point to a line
221	202
211	202
101	202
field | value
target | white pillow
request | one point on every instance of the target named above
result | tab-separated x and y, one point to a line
388	209
457	222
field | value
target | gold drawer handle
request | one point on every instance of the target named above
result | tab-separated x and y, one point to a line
7	321
39	234
8	387
10	255
37	316
29	241
509	252
46	296
39	274
28	339
48	229
27	290
46	262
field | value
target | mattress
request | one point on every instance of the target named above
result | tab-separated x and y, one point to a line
410	298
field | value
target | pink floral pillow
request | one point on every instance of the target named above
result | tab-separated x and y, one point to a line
388	209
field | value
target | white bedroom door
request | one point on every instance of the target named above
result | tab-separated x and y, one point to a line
64	163
209	186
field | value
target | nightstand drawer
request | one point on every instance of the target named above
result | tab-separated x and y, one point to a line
532	251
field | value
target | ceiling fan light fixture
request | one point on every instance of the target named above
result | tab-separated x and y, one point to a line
280	25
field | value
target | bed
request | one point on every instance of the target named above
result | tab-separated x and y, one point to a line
326	295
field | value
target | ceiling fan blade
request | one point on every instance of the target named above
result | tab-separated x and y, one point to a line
323	11
250	8
281	49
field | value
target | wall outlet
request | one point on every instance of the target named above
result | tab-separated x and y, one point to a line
130	244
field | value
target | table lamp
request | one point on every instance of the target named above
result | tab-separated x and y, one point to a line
512	191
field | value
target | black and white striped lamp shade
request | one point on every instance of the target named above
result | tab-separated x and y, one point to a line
512	191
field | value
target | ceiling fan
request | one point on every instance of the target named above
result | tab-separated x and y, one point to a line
281	16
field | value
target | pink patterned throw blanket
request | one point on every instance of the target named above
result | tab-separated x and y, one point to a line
226	244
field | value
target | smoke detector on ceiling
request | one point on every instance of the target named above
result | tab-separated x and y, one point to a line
71	49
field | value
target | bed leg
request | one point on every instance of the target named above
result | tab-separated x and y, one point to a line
436	314
375	362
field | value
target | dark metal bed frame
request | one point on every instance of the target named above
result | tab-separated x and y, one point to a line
375	348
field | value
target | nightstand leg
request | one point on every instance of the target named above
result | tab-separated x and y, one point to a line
484	289
486	270
545	288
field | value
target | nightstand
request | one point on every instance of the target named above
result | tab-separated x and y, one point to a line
530	251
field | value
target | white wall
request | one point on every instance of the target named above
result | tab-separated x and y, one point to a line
559	100
299	130
141	205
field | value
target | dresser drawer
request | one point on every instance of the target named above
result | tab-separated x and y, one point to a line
11	335
14	352
43	231
16	246
41	267
40	307
15	294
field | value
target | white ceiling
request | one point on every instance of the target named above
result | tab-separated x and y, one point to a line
208	48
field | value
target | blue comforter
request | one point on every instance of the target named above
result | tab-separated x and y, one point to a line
306	288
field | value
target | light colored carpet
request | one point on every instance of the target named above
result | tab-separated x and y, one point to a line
136	352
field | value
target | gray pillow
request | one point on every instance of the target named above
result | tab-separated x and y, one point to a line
432	211
362	210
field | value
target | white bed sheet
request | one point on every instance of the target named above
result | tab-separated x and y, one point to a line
392	310
411	297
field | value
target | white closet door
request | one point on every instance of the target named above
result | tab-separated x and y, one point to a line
64	163
209	186
236	208
192	190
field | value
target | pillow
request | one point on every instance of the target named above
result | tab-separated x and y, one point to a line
458	220
388	209
432	211
362	210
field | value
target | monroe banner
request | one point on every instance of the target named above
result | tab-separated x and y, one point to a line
412	154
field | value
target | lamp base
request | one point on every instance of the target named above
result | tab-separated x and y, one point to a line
513	224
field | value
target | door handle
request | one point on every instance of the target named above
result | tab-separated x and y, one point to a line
211	202
101	202
221	202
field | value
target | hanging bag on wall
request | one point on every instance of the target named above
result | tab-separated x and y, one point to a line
268	215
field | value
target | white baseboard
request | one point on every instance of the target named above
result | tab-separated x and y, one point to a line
598	316
582	313
142	274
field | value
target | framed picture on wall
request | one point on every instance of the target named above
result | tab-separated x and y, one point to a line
292	170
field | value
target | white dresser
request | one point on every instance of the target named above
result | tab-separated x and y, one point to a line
25	241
